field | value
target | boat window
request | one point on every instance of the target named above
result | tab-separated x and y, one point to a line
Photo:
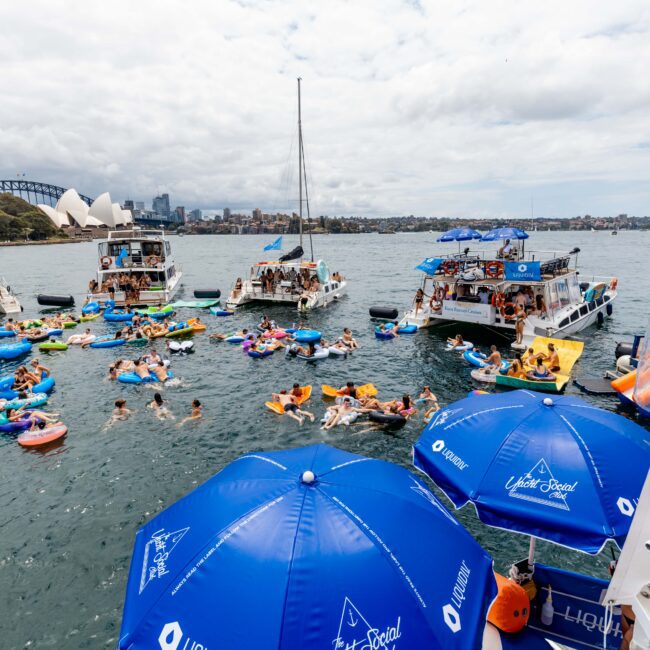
574	316
553	302
562	289
168	248
584	309
114	249
600	301
592	306
563	323
574	288
327	288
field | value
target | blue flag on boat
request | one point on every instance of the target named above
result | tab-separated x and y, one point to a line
430	265
523	271
124	253
275	246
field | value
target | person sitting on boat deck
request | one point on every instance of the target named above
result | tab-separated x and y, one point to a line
506	250
390	331
483	295
337	413
519	328
541	372
552	358
456	342
289	405
516	368
348	340
237	288
141	369
39	371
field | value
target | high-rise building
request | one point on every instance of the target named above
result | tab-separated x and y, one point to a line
257	214
128	205
226	214
160	205
195	215
179	212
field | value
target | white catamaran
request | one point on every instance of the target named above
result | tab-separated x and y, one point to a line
493	289
136	267
291	279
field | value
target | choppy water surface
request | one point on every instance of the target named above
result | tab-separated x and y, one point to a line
68	516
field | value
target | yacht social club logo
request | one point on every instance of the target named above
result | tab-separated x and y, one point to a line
540	486
355	633
156	553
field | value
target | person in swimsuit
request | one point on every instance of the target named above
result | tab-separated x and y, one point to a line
348	340
418	300
160	371
196	414
160	408
493	361
517	368
391	331
349	389
531	358
337	413
456	342
120	412
552	358
296	391
141	369
541	372
290	406
519	328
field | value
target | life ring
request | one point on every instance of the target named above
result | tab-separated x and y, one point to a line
152	260
613	283
494	269
500	300
450	267
106	260
514	311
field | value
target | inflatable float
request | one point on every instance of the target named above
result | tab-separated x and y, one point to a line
276	407
107	342
48	346
6	333
467	345
195	304
389	420
306	336
478	359
217	311
54	301
35	399
180	347
14	350
132	378
89	317
207	293
42	436
259	354
365	390
91	308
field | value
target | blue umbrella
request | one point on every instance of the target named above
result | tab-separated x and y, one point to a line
311	548
558	469
504	233
459	234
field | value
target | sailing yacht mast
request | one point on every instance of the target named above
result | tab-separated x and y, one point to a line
300	168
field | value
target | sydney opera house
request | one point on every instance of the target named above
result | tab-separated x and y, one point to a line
71	211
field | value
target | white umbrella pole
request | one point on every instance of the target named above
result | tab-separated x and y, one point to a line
531	553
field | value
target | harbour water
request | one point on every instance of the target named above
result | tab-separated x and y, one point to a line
68	515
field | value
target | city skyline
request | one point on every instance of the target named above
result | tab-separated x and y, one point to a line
445	109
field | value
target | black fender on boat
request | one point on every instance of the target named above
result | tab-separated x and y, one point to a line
55	301
209	294
388	313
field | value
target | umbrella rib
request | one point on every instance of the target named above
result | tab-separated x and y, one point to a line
388	555
293	553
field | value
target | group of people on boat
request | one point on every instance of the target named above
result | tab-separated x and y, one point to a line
129	283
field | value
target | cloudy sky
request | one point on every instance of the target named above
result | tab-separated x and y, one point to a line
409	107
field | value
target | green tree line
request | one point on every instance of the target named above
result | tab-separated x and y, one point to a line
20	220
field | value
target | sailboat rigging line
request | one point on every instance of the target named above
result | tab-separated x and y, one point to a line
304	169
299	163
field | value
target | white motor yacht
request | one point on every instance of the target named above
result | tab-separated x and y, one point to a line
291	279
490	290
8	302
136	267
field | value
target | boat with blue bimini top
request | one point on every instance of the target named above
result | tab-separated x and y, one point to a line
499	289
136	267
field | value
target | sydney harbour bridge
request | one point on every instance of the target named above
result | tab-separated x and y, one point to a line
39	192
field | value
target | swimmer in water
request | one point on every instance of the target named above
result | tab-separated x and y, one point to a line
197	413
160	371
160	408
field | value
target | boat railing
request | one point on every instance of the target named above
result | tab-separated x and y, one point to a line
518	256
136	234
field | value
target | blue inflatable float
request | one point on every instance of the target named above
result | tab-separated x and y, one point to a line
479	360
258	354
91	308
44	386
36	399
107	343
14	350
306	336
132	378
6	333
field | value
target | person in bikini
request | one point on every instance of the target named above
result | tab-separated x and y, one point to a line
541	372
516	368
348	340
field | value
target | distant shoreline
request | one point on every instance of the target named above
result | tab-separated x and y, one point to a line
44	242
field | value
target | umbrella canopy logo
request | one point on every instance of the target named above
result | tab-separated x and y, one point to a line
355	633
540	486
156	553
